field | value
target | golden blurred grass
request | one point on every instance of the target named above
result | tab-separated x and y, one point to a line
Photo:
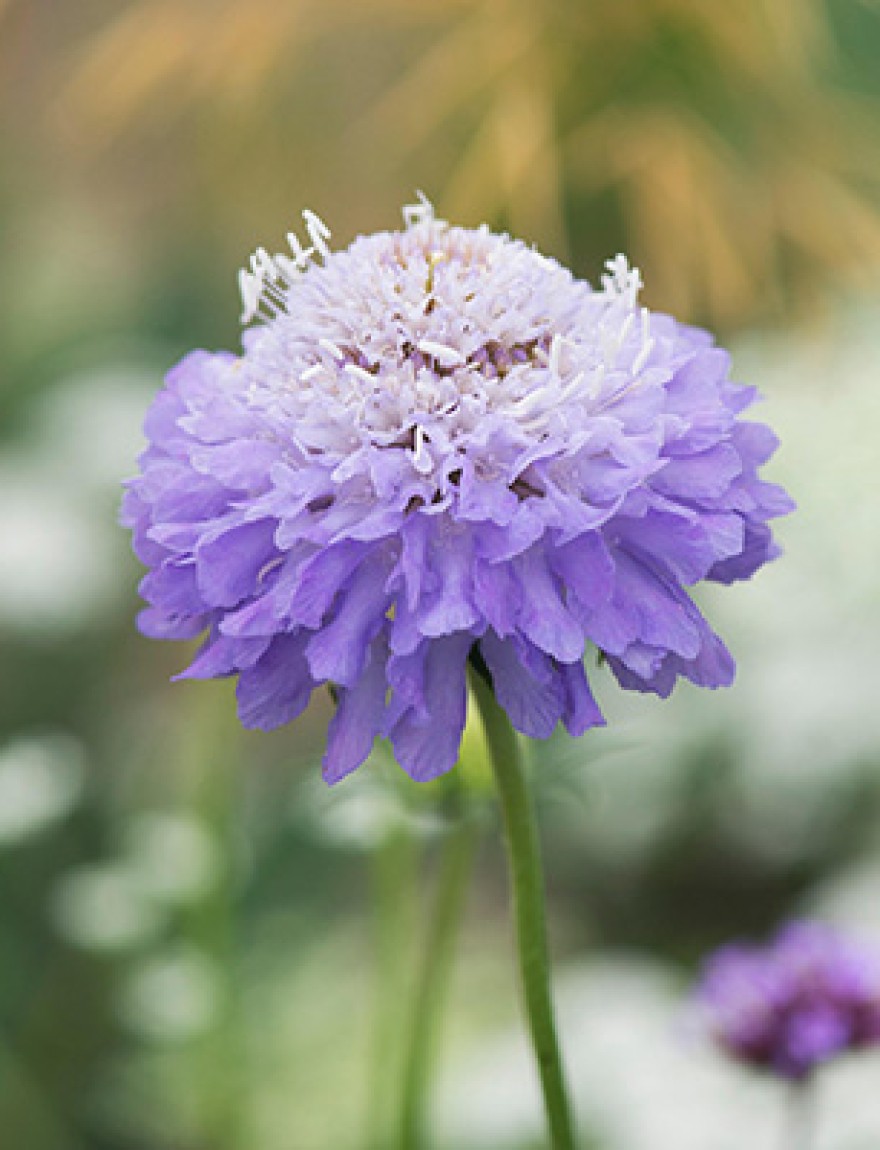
713	140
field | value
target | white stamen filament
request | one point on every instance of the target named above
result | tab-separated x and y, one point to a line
359	373
647	343
318	231
263	288
445	356
262	263
642	358
420	213
422	460
557	346
531	402
288	269
251	288
329	345
625	329
622	281
613	340
301	256
572	386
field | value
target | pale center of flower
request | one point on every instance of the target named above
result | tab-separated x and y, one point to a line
420	339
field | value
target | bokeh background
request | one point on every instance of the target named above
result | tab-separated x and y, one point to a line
201	947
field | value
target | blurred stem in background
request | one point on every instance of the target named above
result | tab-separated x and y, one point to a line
456	865
21	1092
527	892
393	863
212	761
799	1118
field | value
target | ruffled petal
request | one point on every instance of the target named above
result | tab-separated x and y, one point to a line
228	565
705	475
172	587
426	745
534	702
159	624
320	579
587	572
279	687
581	709
497	596
221	656
645	606
448	605
359	718
543	617
679	541
337	653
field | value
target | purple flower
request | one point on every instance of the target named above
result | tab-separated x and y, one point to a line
439	445
807	997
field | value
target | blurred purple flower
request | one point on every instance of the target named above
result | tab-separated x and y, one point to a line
808	996
439	444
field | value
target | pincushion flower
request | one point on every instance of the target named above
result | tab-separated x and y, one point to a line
438	445
807	997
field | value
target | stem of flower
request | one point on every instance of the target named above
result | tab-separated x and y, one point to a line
527	891
452	884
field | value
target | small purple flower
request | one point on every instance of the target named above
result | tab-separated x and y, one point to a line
788	1007
438	445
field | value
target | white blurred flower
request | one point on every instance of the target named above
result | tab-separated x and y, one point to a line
57	562
850	897
61	549
88	428
171	997
104	908
637	1083
41	780
173	857
363	814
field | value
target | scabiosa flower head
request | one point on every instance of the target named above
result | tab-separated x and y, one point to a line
786	1008
439	444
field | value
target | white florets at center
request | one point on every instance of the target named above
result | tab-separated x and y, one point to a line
417	338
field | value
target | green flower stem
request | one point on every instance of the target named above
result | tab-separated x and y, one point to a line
452	884
527	890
